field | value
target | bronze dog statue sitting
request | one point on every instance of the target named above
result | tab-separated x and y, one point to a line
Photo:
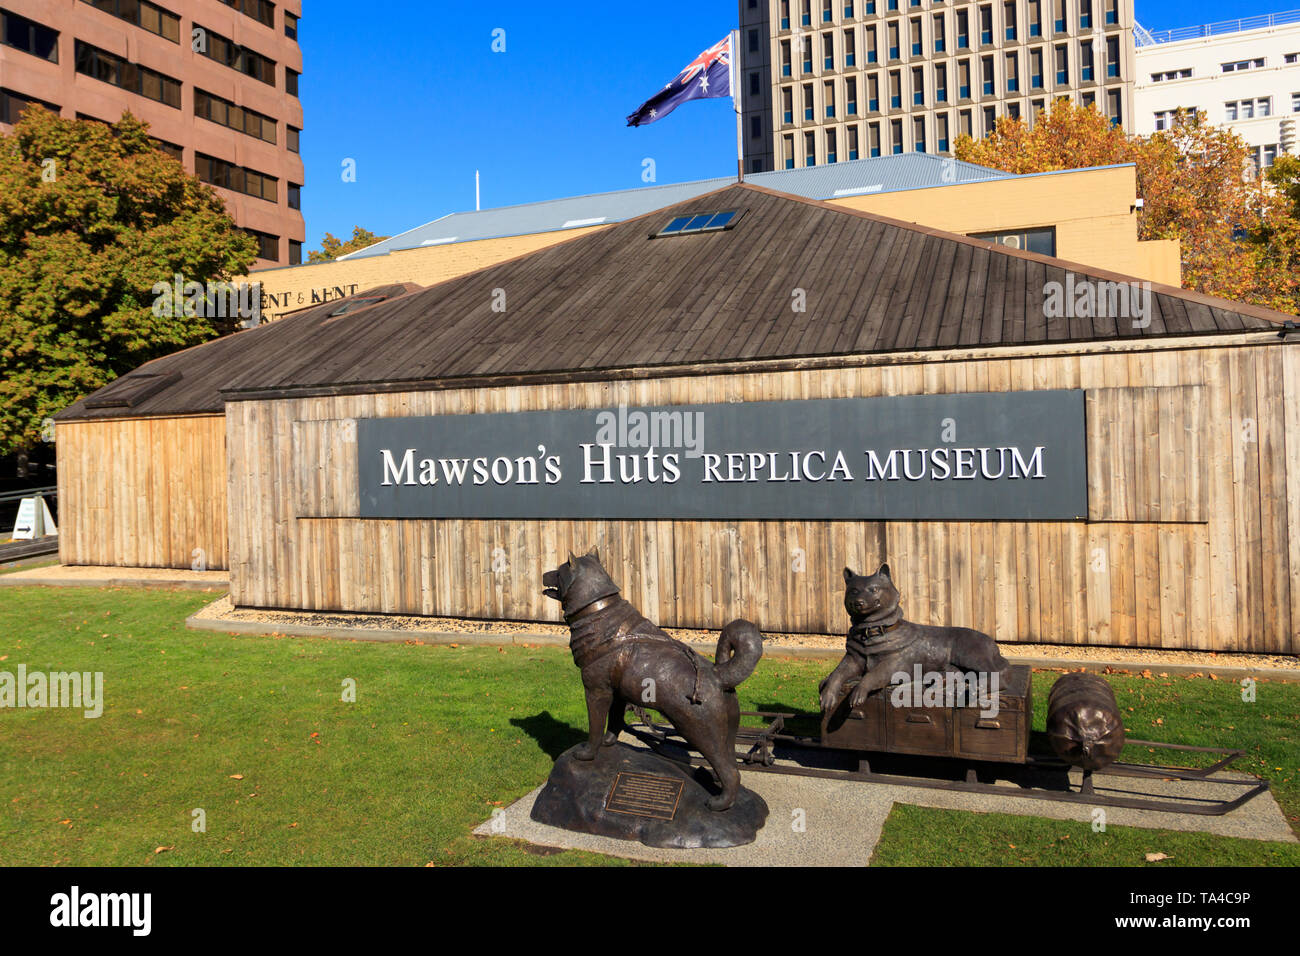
624	659
881	643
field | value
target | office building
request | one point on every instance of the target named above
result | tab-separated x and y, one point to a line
823	81
216	80
1239	73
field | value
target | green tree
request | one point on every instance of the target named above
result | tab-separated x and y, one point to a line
1284	176
92	216
331	247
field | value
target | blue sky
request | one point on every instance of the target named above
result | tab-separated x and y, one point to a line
413	92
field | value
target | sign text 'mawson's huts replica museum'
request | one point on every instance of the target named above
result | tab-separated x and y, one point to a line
732	398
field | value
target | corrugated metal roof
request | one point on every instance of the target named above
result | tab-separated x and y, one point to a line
854	178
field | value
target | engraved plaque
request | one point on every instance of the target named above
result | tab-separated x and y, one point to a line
644	795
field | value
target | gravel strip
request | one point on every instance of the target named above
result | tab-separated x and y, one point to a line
222	610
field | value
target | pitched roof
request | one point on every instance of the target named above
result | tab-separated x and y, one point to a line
616	302
189	382
857	177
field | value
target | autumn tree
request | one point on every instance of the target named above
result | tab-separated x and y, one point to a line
92	216
1196	186
331	247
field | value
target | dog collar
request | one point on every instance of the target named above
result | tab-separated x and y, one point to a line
598	605
875	630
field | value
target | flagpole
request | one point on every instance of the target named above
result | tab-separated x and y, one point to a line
735	102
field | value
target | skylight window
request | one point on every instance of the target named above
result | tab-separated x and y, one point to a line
700	222
352	305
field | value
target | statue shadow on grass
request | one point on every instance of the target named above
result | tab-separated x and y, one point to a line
552	735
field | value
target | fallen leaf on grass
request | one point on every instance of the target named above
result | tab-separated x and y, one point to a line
163	849
1156	857
236	776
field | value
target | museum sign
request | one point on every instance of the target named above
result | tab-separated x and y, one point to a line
972	456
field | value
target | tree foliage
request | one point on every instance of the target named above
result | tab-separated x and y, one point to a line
91	217
1238	233
331	247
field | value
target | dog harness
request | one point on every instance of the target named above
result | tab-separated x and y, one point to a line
612	623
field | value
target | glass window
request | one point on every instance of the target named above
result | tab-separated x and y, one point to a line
295	196
29	36
1042	241
12	105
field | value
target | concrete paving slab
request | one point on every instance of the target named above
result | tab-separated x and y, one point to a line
843	819
65	576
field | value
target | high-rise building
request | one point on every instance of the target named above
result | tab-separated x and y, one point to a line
828	80
216	80
1239	73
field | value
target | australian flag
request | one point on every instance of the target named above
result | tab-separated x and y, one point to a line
708	75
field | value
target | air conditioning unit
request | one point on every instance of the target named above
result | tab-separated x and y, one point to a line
1012	241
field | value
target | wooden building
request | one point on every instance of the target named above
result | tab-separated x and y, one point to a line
1190	536
142	462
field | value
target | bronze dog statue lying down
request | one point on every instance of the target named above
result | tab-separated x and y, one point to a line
881	643
625	659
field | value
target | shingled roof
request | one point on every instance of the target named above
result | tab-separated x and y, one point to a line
618	302
189	382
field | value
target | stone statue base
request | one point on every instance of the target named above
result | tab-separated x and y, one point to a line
632	794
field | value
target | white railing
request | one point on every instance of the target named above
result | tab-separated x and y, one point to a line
1146	38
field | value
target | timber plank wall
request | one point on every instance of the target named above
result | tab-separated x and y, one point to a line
143	492
1193	537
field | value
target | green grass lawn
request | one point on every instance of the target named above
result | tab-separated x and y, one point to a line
254	732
